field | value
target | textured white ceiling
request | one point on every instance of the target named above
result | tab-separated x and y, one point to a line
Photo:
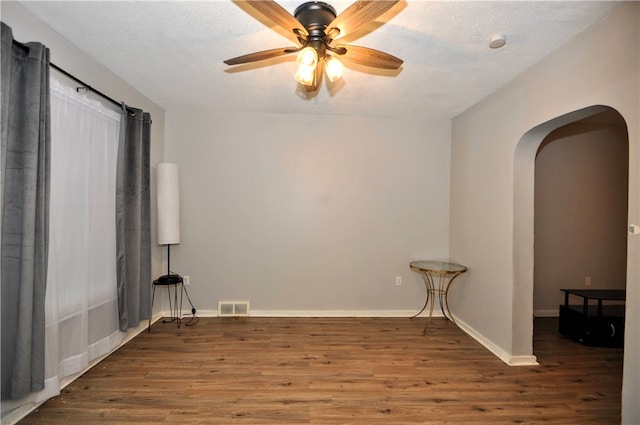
173	52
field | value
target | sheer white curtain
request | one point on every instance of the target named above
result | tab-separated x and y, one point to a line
82	253
81	296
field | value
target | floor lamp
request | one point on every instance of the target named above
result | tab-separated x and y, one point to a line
169	234
168	213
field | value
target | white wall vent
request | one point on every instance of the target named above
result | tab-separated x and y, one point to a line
233	308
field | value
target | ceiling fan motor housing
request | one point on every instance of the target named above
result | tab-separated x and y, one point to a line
315	16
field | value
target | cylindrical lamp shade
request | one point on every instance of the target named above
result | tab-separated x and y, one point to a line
168	204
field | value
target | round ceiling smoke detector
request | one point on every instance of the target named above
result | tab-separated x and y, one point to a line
497	41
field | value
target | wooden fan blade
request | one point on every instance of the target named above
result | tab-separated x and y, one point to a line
370	57
357	15
278	15
258	56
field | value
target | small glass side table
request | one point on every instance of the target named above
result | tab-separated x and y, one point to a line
437	276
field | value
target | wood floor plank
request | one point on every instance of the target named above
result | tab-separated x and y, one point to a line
338	371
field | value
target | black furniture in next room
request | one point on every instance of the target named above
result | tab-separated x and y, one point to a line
598	319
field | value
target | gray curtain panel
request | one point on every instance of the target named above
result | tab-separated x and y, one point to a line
133	218
26	144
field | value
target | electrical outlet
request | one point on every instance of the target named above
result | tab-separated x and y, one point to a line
398	280
587	281
186	280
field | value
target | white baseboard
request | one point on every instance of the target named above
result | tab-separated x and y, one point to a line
497	351
322	313
546	313
333	313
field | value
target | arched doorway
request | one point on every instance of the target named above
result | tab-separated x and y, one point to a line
580	210
524	218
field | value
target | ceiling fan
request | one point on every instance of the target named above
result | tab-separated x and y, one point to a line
316	26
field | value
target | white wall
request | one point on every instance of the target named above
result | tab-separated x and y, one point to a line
67	56
493	154
309	214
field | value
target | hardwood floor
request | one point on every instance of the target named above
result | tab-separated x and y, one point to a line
338	371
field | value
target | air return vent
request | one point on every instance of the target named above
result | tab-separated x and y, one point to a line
233	308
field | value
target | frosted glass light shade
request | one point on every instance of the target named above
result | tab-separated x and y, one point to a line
305	75
307	60
307	57
334	68
168	204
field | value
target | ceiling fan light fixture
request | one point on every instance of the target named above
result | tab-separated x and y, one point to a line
315	25
334	68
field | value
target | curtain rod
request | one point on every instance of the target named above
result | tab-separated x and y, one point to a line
85	86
